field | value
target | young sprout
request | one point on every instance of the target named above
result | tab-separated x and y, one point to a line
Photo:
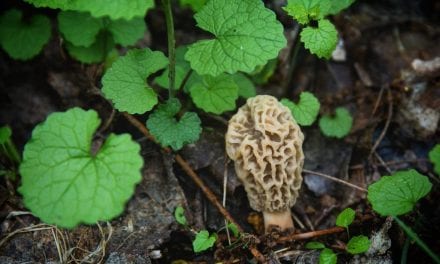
265	143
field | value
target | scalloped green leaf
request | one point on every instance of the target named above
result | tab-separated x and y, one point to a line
5	134
305	10
213	94
338	125
81	29
115	9
358	245
127	32
397	194
169	131
327	256
306	110
125	83
314	245
246	35
23	40
54	4
95	53
345	218
434	157
321	40
67	180
203	241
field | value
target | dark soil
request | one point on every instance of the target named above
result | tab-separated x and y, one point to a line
393	105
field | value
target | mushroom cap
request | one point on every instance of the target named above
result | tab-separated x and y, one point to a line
266	144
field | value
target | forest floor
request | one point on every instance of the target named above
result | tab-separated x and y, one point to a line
395	106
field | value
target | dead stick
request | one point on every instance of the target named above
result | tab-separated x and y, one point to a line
208	193
387	122
335	179
312	234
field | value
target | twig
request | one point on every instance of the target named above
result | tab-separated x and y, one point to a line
190	172
387	123
312	234
336	180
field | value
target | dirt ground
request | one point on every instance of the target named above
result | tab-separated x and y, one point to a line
396	111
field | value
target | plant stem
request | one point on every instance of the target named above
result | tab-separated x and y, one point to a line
413	236
171	46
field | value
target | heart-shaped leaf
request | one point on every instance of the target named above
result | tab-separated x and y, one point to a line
67	181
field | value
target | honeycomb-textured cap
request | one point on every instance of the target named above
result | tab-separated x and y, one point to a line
266	144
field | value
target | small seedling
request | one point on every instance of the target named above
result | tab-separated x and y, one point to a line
306	110
327	256
203	241
179	214
358	245
397	195
338	125
319	35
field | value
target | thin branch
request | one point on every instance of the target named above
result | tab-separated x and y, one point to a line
336	180
193	175
387	123
312	234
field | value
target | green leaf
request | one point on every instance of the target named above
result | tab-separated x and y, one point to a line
203	241
5	134
214	94
327	256
397	194
95	53
338	125
172	132
182	69
115	9
338	6
195	5
234	229
54	4
246	87
23	40
246	35
358	244
67	181
321	40
434	157
127	32
305	10
179	214
307	109
125	82
345	218
81	29
314	245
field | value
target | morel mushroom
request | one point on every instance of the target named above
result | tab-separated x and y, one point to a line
266	144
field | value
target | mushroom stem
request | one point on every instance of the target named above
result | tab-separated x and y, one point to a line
282	219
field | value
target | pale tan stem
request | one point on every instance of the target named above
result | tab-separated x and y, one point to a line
281	219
